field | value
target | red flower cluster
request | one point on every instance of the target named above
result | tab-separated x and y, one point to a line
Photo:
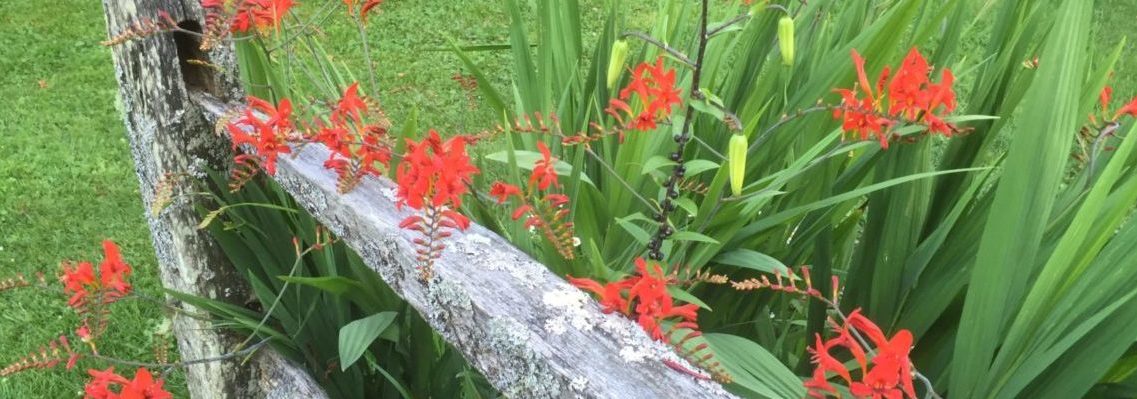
911	96
1105	97
655	87
143	386
434	173
890	375
269	134
432	178
543	210
262	15
80	282
359	147
643	297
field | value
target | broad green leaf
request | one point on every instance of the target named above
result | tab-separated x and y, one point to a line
355	337
527	160
750	259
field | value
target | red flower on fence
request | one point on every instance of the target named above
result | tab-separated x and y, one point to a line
432	178
434	172
911	96
643	297
655	88
888	374
268	134
143	386
360	147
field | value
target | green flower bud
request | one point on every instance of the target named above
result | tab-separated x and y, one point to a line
616	62
786	40
736	158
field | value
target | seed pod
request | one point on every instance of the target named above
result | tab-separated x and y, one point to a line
786	40
736	157
616	62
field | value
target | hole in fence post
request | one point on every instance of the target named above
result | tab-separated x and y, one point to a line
197	69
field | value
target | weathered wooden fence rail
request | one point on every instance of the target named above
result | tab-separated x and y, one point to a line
528	331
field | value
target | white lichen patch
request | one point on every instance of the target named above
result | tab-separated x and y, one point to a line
568	306
474	243
447	297
522	373
390	193
578	384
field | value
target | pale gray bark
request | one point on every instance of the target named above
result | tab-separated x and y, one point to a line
169	137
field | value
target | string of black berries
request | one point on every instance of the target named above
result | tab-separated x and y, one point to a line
671	187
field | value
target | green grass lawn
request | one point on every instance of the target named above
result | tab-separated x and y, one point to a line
66	183
66	179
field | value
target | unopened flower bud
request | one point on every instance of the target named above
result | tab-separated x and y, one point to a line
616	62
786	40
736	157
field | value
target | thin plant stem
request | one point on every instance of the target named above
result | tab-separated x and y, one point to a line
663	46
667	204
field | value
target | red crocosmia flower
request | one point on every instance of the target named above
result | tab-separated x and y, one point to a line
826	362
350	105
858	116
911	95
643	297
435	172
544	171
262	15
887	375
1128	109
113	272
80	281
906	92
143	386
818	386
76	279
654	85
502	191
611	295
270	135
367	8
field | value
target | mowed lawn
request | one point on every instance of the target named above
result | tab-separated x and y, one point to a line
66	177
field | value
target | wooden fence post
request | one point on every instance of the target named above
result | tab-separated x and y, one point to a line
169	137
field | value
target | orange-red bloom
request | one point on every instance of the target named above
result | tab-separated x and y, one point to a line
502	191
269	136
435	172
143	386
544	171
643	297
911	95
655	88
262	15
80	281
1105	97
888	374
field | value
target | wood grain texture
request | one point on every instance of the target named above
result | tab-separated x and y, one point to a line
528	331
169	137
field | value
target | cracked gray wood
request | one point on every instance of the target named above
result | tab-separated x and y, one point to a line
528	331
168	136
